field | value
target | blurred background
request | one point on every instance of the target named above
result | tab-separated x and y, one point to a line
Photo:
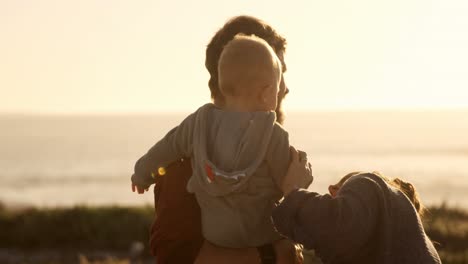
87	87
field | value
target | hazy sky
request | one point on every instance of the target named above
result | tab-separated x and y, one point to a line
68	56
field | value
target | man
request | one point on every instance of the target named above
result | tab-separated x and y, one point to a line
176	232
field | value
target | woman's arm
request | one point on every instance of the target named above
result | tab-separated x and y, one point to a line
337	228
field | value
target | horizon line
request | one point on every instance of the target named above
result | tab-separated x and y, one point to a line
296	111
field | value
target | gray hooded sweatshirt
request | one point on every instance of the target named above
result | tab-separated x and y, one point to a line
238	161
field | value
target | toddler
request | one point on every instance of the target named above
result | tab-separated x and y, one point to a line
239	153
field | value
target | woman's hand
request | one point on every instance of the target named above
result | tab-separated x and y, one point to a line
299	174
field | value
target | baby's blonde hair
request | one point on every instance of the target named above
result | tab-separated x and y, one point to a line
246	64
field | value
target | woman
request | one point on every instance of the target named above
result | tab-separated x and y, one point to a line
366	219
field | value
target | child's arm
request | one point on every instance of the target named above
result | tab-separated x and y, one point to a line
279	157
175	145
299	174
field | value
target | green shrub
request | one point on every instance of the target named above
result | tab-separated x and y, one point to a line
79	227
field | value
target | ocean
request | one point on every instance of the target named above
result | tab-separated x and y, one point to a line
67	160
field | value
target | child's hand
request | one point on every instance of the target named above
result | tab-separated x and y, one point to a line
140	190
299	174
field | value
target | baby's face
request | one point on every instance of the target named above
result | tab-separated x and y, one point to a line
270	96
271	91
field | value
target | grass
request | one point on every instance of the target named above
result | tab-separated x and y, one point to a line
79	227
116	229
448	229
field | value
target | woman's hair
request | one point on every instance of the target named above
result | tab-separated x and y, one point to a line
246	25
408	189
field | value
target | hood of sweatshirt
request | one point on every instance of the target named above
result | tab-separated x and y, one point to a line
228	147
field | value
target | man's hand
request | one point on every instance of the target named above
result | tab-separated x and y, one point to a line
140	190
299	174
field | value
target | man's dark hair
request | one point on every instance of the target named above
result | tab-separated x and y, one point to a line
246	25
